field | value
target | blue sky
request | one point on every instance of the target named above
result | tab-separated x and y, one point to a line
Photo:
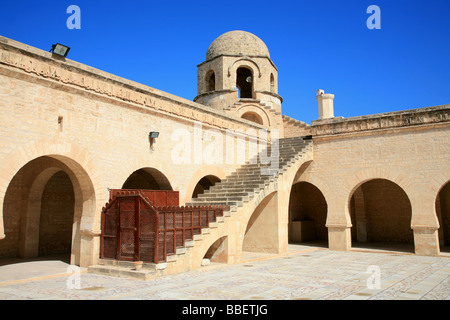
314	44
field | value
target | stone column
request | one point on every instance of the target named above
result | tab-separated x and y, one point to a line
425	225
426	240
339	226
339	238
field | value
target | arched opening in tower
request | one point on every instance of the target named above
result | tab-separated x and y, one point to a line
210	81
244	82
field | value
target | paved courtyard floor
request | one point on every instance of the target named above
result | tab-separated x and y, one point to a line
305	273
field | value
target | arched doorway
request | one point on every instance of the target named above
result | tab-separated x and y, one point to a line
307	215
204	184
380	212
244	82
57	212
443	214
43	207
147	178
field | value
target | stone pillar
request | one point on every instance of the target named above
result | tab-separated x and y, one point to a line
326	108
425	225
339	238
426	241
339	226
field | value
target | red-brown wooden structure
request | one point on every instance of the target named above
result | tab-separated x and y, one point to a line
135	229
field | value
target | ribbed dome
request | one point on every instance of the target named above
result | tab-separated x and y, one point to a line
237	43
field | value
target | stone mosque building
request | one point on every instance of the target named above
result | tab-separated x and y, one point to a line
228	173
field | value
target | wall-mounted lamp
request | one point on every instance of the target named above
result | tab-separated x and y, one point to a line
60	50
152	136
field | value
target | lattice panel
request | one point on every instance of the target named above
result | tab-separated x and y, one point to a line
109	248
134	229
127	243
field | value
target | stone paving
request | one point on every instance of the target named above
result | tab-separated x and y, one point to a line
305	273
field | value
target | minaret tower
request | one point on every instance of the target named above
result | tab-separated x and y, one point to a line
239	77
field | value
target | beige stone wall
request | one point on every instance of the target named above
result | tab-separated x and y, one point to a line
60	115
96	126
295	128
410	149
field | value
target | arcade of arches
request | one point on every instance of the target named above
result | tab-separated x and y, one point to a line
380	213
41	219
369	179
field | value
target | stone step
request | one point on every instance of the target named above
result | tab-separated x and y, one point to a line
220	198
226	194
239	187
240	181
122	272
220	203
230	189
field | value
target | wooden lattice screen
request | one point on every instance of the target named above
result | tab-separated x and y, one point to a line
133	229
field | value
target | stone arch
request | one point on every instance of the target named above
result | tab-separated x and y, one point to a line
307	213
210	81
360	177
259	216
254	110
380	211
165	176
218	251
243	62
252	116
354	181
147	178
442	207
204	184
272	83
259	232
303	175
245	82
29	184
204	171
80	164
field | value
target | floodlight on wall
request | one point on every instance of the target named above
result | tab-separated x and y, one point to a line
152	136
60	50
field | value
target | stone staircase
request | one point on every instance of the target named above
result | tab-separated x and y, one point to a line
234	191
239	187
